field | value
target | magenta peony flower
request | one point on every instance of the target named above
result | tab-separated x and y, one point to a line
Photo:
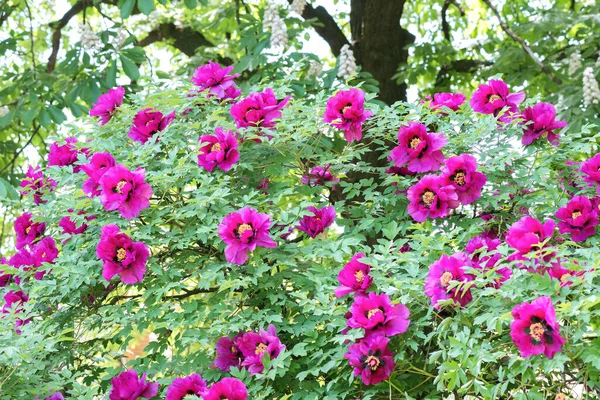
125	191
55	396
263	185
27	231
345	110
70	228
121	256
564	275
107	104
377	316
259	109
318	222
14	300
540	121
227	388
254	346
444	271
4	277
354	277
98	165
591	169
578	218
63	155
451	100
147	122
493	97
218	150
216	80
318	176
528	234
371	359
190	385
244	230
36	182
535	330
421	150
460	172
431	198
484	244
127	386
228	353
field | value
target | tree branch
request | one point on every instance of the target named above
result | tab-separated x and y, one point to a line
186	40
460	66
57	26
524	45
325	26
445	25
18	153
4	14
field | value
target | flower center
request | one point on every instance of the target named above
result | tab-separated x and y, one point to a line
536	331
360	276
373	362
446	278
575	214
346	108
414	142
428	197
372	312
243	228
216	147
260	348
494	98
459	178
565	278
120	186
233	349
27	230
121	254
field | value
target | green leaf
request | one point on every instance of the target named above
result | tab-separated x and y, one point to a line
146	6
57	115
191	4
131	70
7	190
111	75
126	7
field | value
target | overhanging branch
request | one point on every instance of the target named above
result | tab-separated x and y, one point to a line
524	45
58	25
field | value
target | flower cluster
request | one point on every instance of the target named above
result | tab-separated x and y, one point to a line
540	121
319	175
217	81
64	155
148	122
346	62
494	97
35	182
591	91
315	224
244	230
418	148
218	150
125	191
247	350
380	319
452	101
107	104
346	111
121	256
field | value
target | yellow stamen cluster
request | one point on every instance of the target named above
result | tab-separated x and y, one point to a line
360	277
428	197
215	147
494	97
120	186
260	348
446	278
414	142
243	228
121	254
459	178
373	362
575	214
536	331
372	312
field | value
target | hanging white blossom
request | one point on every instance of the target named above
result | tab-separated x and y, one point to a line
574	63
315	68
3	111
88	38
297	6
347	62
591	92
121	37
279	39
271	14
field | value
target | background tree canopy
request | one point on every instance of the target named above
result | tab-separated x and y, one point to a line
59	57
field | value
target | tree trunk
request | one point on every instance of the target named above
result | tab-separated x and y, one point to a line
380	43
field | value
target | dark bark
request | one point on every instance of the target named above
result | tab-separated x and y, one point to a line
325	26
58	25
186	40
380	43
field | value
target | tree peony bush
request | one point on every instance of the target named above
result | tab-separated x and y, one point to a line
317	247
